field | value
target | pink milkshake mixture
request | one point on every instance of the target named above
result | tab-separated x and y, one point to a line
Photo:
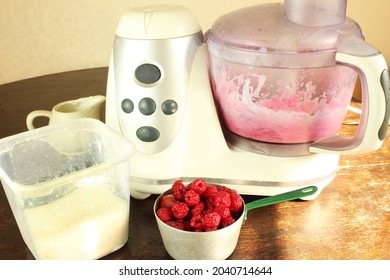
281	105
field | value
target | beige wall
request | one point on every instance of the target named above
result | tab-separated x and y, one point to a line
39	37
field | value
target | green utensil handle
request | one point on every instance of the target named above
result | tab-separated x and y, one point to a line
295	194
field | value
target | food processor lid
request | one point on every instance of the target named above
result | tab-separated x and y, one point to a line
267	29
164	21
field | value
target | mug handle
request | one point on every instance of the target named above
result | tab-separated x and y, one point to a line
35	114
374	120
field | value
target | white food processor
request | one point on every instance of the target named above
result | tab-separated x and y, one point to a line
254	104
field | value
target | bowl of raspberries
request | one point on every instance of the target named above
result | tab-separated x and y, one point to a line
199	220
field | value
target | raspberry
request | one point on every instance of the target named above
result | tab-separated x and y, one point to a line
165	214
167	201
227	222
224	189
196	222
176	224
221	197
198	209
198	186
179	189
211	221
180	210
187	226
209	208
210	191
235	201
222	211
192	198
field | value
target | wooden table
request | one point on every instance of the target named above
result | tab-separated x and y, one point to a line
349	220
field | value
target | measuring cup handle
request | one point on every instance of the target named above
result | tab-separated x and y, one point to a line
35	114
291	195
373	73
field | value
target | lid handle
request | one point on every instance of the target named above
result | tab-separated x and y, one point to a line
374	120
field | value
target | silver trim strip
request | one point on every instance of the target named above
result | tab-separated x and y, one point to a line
222	181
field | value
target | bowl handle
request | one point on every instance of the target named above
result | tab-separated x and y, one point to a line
374	120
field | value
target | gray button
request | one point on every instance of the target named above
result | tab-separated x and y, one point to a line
127	106
148	134
147	73
147	106
169	107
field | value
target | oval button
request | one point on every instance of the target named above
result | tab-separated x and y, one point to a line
169	107
148	134
147	106
147	73
127	106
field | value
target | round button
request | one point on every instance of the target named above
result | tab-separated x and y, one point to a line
169	107
127	106
147	106
148	134
148	73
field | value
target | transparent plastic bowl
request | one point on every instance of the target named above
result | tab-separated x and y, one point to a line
68	186
281	105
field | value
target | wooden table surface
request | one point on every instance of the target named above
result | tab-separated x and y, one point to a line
349	220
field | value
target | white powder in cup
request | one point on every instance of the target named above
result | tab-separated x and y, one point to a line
87	223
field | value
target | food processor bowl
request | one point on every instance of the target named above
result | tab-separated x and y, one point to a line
277	81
